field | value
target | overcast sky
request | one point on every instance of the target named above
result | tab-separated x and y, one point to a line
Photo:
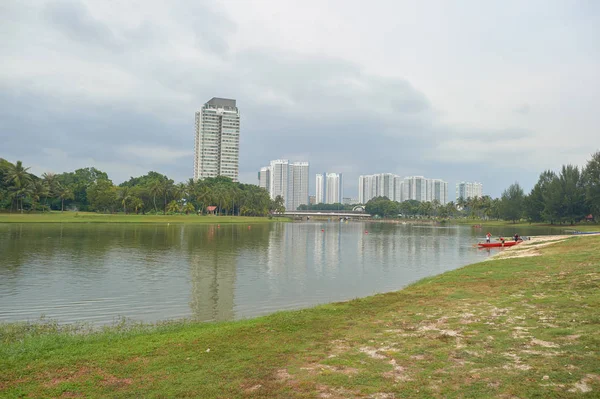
463	90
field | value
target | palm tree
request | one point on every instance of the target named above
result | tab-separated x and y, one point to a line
39	189
137	204
155	188
125	197
189	207
17	176
166	188
51	182
173	207
203	196
64	193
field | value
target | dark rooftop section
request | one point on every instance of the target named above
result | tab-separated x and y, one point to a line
221	102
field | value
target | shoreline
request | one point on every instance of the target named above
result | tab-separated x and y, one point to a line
503	327
90	217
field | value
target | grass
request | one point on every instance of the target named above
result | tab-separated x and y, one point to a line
91	217
504	223
525	327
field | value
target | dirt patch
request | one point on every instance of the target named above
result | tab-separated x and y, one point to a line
545	344
529	247
85	372
282	375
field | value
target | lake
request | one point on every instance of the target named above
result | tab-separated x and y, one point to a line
101	272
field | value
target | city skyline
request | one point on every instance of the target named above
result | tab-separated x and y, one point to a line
397	188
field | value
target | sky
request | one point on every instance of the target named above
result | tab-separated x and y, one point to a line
492	91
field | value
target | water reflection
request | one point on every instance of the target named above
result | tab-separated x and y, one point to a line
96	272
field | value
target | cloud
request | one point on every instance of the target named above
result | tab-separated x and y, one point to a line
120	86
523	109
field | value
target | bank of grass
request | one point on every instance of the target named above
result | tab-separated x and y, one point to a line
504	223
91	217
526	327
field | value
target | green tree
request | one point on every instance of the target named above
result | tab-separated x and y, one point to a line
18	180
591	182
124	194
173	207
137	204
189	208
102	196
535	202
278	204
511	203
63	193
39	190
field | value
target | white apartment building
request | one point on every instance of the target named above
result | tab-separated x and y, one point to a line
320	188
217	145
279	179
466	190
264	178
298	189
333	188
401	189
289	180
439	191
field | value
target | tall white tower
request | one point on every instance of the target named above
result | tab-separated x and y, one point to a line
217	146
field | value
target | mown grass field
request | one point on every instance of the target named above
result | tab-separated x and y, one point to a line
91	217
508	328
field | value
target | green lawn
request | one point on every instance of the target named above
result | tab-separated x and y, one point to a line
506	328
90	217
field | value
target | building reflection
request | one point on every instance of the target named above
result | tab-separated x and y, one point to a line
214	255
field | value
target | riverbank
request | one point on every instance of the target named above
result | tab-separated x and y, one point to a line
504	223
518	327
91	217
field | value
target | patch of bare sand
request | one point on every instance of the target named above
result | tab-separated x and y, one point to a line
529	247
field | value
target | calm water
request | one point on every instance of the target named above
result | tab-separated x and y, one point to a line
99	272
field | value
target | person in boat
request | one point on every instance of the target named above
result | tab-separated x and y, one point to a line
502	240
517	237
488	237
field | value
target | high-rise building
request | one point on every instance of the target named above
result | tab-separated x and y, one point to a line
379	185
320	188
440	191
279	181
333	188
289	180
217	146
466	190
298	189
264	178
400	189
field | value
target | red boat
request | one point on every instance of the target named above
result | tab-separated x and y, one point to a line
498	244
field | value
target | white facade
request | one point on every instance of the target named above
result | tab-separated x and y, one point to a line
289	180
333	188
466	190
264	178
298	189
217	144
400	189
440	191
279	179
320	189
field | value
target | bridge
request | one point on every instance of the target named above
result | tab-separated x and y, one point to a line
338	214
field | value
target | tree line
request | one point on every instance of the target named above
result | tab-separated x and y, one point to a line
567	196
89	189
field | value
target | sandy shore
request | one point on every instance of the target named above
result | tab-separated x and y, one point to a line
530	247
